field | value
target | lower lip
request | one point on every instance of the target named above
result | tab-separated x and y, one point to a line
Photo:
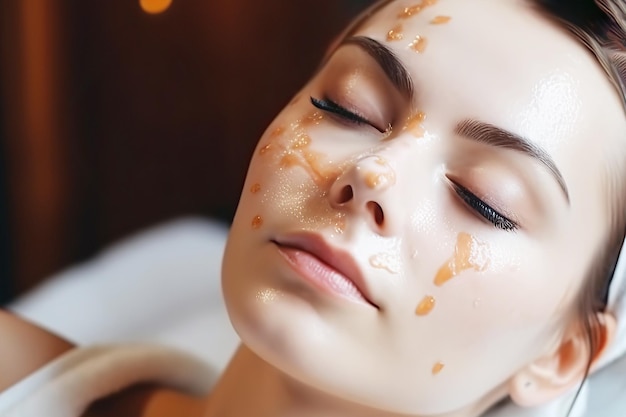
321	275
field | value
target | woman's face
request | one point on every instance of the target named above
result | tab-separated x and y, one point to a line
411	245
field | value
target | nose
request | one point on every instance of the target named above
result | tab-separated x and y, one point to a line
363	188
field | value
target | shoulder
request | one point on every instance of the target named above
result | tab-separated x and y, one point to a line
25	348
115	378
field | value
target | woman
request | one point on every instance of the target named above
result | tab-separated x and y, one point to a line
430	227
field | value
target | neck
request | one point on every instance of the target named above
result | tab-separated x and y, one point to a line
252	387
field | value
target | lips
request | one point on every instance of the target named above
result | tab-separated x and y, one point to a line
329	269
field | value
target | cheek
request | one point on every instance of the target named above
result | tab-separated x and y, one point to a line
481	293
288	179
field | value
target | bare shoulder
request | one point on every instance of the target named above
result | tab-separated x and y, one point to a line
25	347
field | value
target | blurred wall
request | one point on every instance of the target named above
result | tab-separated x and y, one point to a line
116	119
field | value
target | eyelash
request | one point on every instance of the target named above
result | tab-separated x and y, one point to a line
329	106
479	206
484	210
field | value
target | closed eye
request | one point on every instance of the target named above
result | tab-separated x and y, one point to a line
484	210
329	106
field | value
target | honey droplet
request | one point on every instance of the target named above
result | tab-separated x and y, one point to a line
301	141
385	261
469	253
277	132
388	132
419	44
372	179
415	9
257	222
395	34
438	368
410	11
425	306
414	124
289	160
375	179
312	119
340	226
295	151
440	20
265	149
255	188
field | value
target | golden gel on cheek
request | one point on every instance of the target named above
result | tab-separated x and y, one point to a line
267	296
294	150
257	222
395	34
469	253
290	148
265	149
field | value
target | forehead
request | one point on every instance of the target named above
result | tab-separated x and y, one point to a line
505	63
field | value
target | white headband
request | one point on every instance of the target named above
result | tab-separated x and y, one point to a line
616	305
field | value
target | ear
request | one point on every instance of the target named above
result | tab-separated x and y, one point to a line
561	370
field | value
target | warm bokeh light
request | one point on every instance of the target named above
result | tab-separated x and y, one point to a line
155	6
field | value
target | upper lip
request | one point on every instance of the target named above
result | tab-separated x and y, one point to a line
338	259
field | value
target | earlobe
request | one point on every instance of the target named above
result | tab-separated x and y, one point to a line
562	369
609	324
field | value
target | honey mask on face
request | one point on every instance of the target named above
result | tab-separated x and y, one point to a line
374	179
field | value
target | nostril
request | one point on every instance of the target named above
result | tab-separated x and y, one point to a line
377	212
345	195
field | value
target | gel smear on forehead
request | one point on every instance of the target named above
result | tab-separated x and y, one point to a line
469	253
409	11
419	44
395	34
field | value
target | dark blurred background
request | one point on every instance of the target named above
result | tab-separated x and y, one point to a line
113	118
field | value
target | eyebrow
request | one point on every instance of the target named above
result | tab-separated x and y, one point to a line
388	61
494	136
